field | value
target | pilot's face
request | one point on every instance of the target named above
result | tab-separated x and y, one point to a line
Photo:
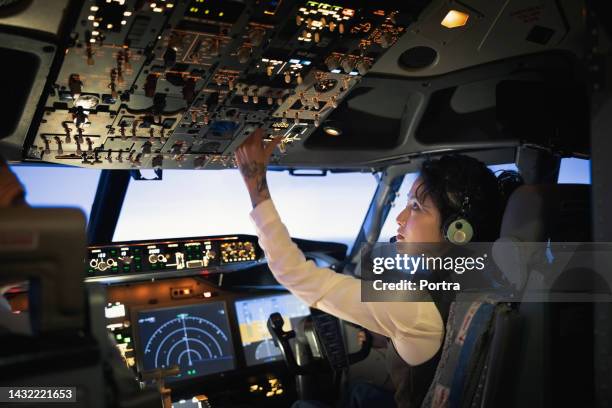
420	221
11	191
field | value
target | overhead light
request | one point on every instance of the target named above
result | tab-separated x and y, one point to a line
332	130
454	19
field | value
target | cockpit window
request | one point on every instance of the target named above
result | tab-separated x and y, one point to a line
575	171
48	186
389	228
192	203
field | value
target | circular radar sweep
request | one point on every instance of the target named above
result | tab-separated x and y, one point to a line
186	341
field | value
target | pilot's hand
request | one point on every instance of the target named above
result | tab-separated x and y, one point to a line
252	158
378	341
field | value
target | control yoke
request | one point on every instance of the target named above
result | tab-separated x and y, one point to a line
322	335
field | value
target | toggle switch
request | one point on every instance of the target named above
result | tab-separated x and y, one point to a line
60	150
146	147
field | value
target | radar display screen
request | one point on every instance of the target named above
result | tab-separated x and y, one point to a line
196	338
252	318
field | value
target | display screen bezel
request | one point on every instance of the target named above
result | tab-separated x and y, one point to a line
237	322
139	346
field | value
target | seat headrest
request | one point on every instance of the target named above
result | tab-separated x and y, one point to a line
559	212
539	213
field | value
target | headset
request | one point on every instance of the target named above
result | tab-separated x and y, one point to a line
457	228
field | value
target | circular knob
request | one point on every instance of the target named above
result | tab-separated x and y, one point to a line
348	65
363	66
386	40
243	54
146	147
332	62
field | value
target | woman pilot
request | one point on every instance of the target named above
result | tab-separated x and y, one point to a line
415	329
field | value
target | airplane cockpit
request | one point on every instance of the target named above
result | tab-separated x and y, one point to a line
135	272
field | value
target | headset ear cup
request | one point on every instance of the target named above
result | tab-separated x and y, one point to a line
459	231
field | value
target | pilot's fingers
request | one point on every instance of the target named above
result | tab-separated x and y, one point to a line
255	138
239	155
361	336
271	145
253	144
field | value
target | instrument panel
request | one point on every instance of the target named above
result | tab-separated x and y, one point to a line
215	338
181	83
168	258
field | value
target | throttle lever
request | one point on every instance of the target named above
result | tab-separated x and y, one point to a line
281	339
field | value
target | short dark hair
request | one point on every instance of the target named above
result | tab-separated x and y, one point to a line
450	178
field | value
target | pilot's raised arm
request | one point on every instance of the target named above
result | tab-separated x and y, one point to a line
415	328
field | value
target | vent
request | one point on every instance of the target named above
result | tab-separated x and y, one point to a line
418	58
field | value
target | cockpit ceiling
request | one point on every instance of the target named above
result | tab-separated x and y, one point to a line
346	85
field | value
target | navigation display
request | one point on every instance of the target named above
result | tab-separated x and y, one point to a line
195	337
252	318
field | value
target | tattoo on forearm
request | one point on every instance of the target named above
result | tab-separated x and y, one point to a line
262	193
255	175
252	170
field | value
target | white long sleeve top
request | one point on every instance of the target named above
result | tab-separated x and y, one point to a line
415	328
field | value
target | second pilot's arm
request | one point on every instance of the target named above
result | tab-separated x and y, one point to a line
415	328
